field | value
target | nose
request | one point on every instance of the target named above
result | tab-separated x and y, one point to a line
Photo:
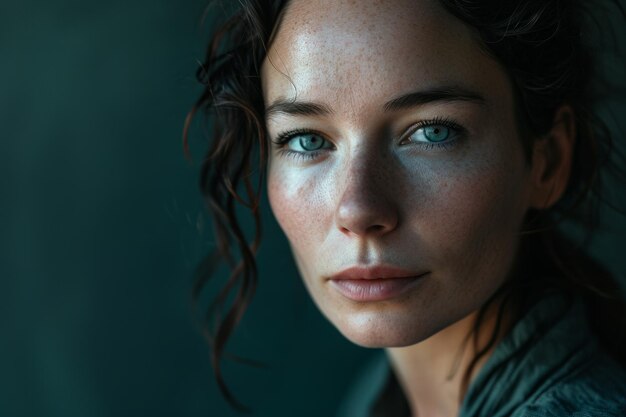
367	202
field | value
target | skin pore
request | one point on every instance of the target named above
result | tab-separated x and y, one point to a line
405	153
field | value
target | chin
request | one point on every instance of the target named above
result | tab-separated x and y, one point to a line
381	331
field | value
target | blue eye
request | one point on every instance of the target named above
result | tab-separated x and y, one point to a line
432	134
311	142
302	144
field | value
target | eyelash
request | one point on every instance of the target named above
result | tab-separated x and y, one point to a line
459	131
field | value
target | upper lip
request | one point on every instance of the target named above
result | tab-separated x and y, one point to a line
375	271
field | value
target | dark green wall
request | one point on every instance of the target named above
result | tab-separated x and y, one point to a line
101	225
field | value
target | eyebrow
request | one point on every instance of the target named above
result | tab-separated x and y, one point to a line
403	102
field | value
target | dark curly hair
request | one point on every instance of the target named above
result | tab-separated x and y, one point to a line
539	43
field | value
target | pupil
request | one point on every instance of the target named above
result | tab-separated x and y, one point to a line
310	142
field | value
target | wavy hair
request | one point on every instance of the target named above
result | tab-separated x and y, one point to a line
539	43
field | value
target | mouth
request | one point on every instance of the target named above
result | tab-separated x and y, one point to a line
375	289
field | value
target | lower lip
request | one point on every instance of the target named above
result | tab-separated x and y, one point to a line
374	289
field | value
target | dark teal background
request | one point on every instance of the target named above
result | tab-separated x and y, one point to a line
101	225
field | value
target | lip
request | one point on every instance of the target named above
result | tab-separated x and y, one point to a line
375	272
375	283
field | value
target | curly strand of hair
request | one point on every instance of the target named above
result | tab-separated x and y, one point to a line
244	275
226	166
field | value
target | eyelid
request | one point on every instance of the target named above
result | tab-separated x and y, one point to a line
284	137
437	121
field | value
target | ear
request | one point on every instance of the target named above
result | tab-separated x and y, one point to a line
552	160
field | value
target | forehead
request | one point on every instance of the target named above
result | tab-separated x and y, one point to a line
359	53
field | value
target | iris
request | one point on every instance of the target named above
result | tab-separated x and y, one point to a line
311	142
436	133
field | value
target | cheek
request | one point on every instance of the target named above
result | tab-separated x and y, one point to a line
300	206
476	211
296	204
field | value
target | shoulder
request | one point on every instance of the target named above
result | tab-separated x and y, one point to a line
550	365
598	390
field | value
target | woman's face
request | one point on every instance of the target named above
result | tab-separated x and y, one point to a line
405	154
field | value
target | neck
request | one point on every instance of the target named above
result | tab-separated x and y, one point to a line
431	372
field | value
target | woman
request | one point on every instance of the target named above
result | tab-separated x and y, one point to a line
420	154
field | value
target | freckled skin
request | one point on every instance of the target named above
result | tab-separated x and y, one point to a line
454	211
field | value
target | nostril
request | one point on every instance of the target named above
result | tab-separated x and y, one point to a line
371	230
376	228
